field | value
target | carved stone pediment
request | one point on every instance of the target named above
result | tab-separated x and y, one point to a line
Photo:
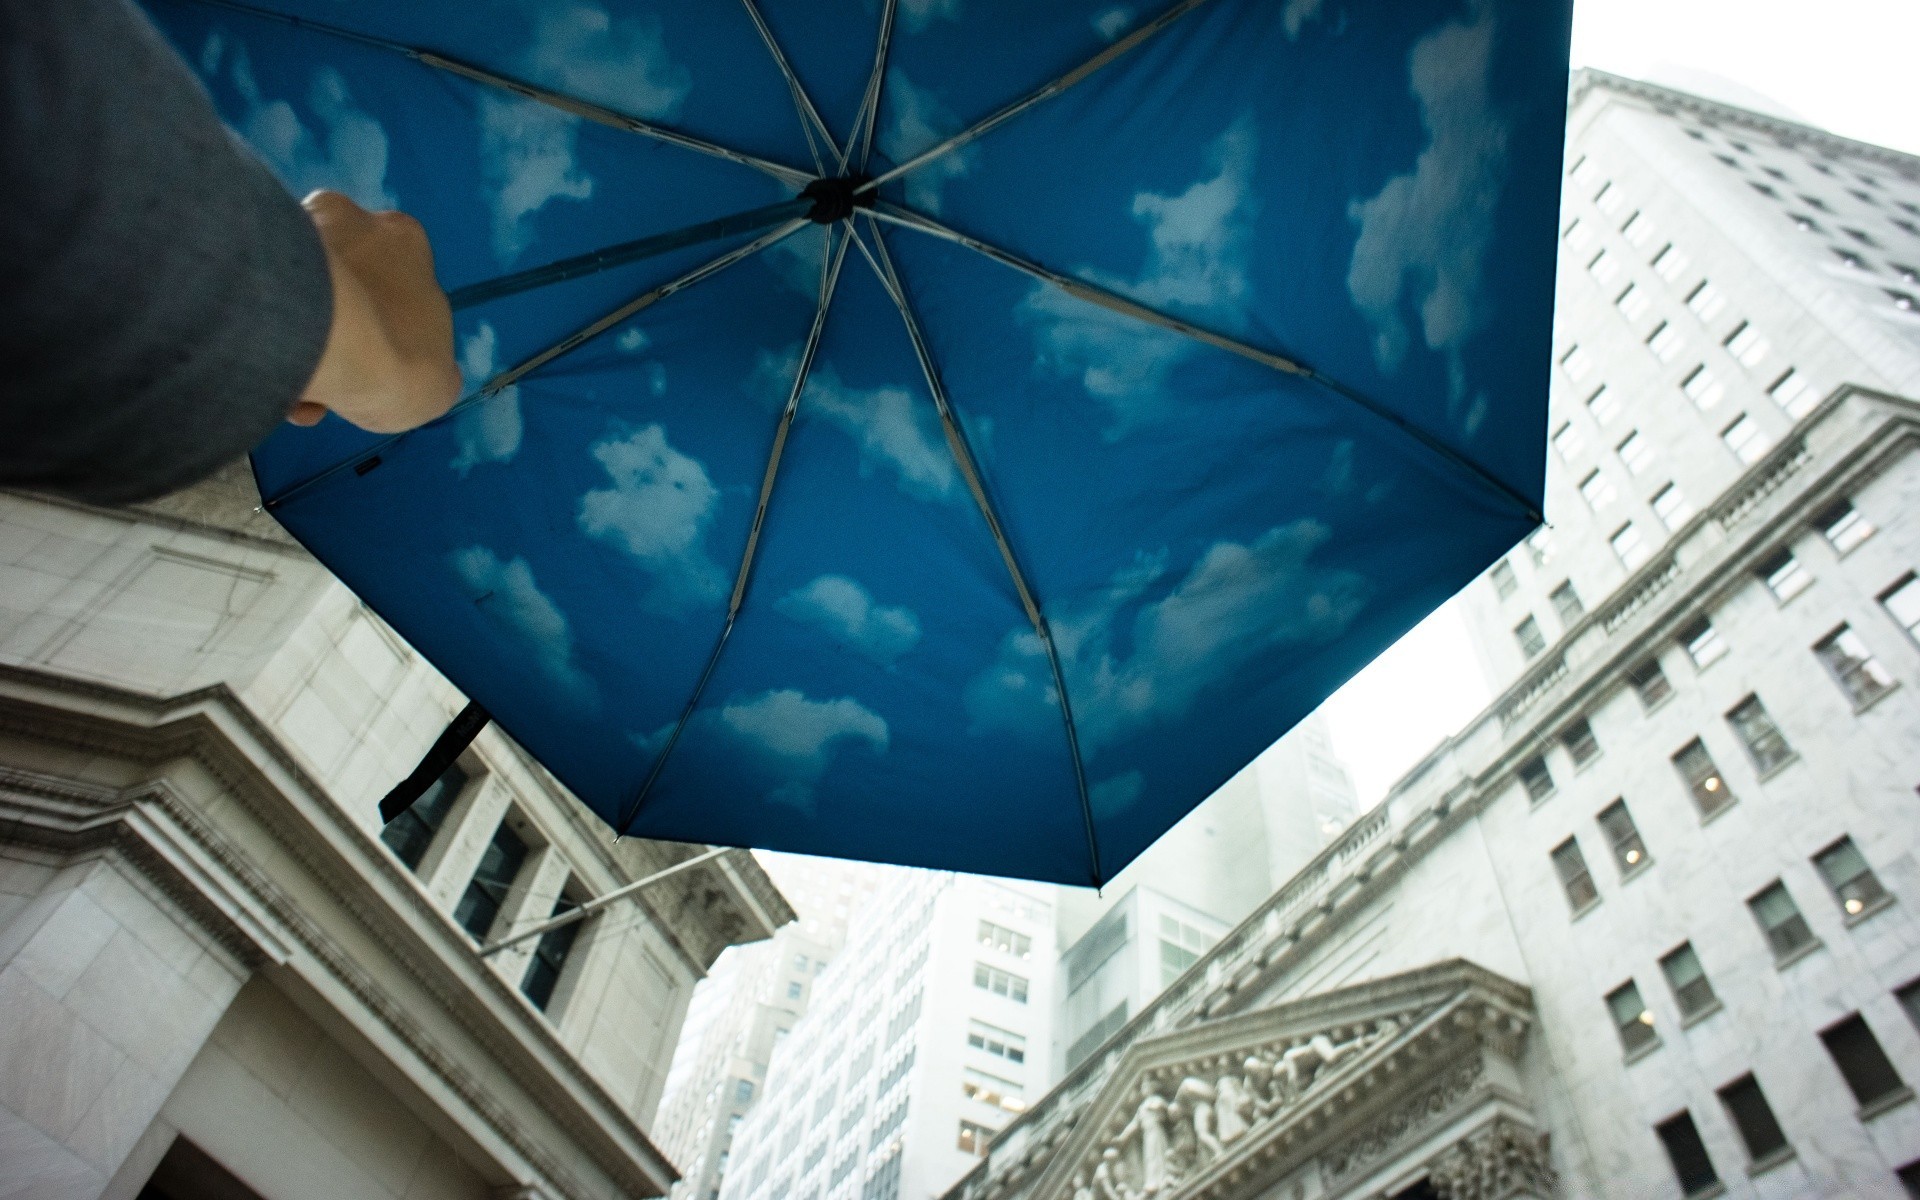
1215	1109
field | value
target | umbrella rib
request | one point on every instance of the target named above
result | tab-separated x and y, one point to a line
579	108
870	99
829	279
1043	93
366	459
907	218
803	105
969	470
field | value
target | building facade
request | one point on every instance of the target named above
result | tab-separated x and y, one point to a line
925	1037
220	976
1646	927
1142	944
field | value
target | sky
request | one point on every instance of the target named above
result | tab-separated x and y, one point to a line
1846	66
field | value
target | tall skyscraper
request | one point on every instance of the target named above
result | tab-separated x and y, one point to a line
1646	926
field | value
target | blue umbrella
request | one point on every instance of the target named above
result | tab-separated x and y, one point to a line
950	432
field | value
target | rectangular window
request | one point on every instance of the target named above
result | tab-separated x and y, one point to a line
409	834
1633	303
1853	667
1568	441
1753	1117
1784	576
1650	683
1706	301
1000	983
742	1091
1571	866
991	1089
1849	259
1566	603
1909	1175
1670	504
1604	405
996	1041
1793	394
1863	1064
550	957
1583	172
1843	526
1535	777
1504	583
1631	1017
1902	602
794	988
1762	738
1604	267
1638	230
1576	236
1628	546
1854	884
1692	993
1540	546
1702	388
1908	994
1665	342
1670	263
1780	919
1531	640
1629	852
1907	274
1607	199
1746	345
499	864
1746	439
1597	490
1859	235
1007	941
1576	363
1174	961
1580	743
1708	787
1702	643
1804	223
1636	452
975	1138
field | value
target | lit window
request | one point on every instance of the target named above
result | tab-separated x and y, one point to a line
1665	342
1753	1117
1566	602
1902	601
974	1138
1604	267
1853	882
1907	274
1571	866
1689	1155
1567	441
1633	303
1604	405
1804	223
1703	643
1607	199
1706	301
1746	345
1636	452
1849	259
1531	640
1902	300
1670	263
1869	1073
1580	743
1597	490
998	937
1780	920
1671	506
1692	993
1843	526
1631	1017
1629	851
1784	576
1853	666
1650	683
1746	439
1638	230
1540	546
1793	394
1629	546
1703	779
1504	583
1576	363
1762	738
1702	388
991	1089
1535	777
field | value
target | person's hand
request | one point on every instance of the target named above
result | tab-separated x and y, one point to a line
388	364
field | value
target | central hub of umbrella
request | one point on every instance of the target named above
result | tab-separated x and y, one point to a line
835	199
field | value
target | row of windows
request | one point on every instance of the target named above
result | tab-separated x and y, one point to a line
1000	983
999	937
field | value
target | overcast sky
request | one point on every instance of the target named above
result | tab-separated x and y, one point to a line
1845	65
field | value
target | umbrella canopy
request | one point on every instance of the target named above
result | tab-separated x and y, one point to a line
1148	369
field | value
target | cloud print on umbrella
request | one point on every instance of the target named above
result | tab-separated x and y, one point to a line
848	614
917	121
527	149
488	432
349	156
506	593
1423	235
779	743
1237	603
896	429
1196	267
658	510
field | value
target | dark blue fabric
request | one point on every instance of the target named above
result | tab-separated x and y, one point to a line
1216	545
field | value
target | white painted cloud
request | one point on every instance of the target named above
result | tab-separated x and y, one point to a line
1422	238
1112	22
658	510
488	432
1236	604
781	740
916	15
1295	16
1111	797
847	612
508	595
917	121
527	160
799	260
633	340
348	150
1196	267
897	430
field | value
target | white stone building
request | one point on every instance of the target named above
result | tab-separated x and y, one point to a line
1647	927
924	1038
219	979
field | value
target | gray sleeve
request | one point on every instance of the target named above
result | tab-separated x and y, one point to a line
163	300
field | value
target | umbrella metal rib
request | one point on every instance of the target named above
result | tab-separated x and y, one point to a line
809	115
969	469
869	110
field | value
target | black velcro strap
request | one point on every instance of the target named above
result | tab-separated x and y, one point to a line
452	742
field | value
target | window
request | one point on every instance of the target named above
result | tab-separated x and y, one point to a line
1628	545
1907	274
1853	667
991	1089
499	864
1759	734
1702	388
1903	300
1583	172
1703	778
1670	263
1665	342
974	1138
1746	439
1000	983
1629	852
1843	526
409	834
800	962
1753	1117
1815	202
1765	189
1180	947
1576	236
1567	441
1504	584
1702	643
999	937
884	1183
1692	994
1604	405
794	989
1607	199
1531	640
1854	884
1793	394
1650	683
1902	601
996	1041
1597	490
550	957
1706	301
1633	303
1636	452
1859	235
742	1091
1746	345
1571	866
1804	224
1604	267
1576	363
1631	1018
1580	743
1863	1064
1535	777
1540	546
1784	576
1780	920
1909	1177
1671	506
1849	259
1566	602
1638	230
1908	994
